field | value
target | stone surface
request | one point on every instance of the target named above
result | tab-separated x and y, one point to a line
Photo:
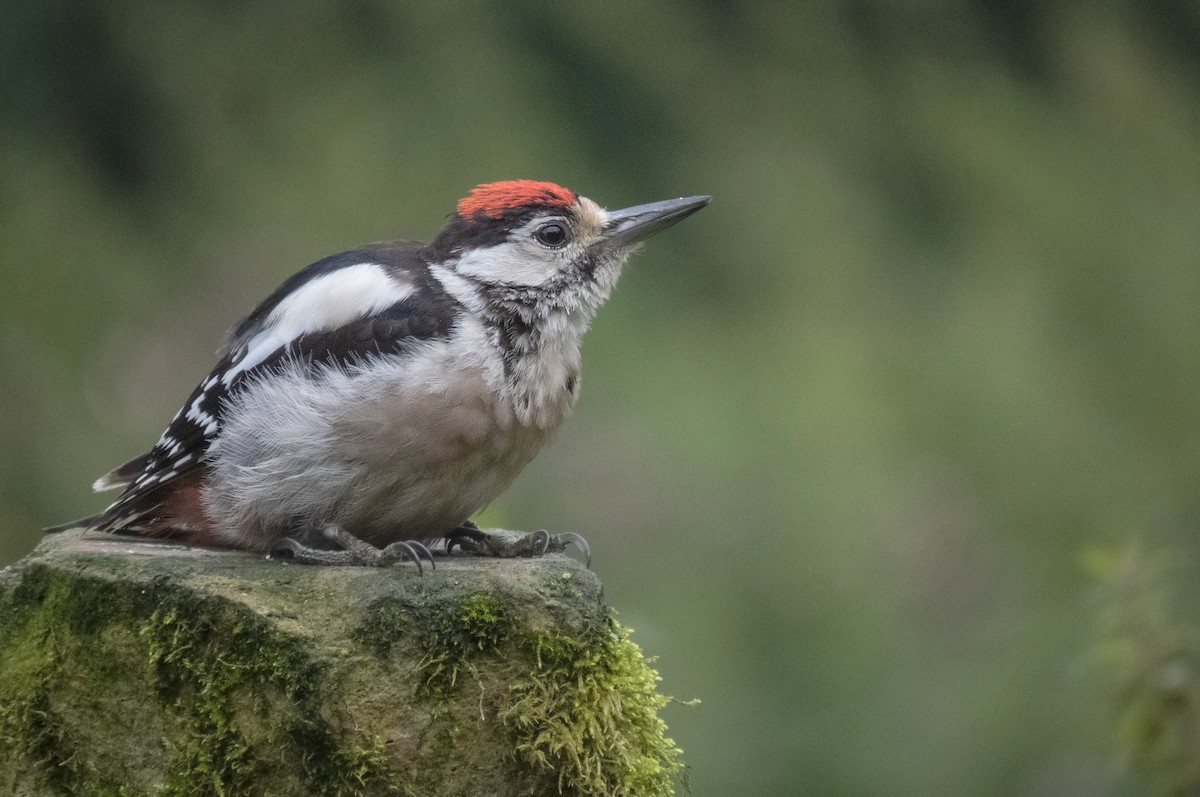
132	668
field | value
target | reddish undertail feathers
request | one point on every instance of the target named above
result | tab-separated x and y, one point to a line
493	199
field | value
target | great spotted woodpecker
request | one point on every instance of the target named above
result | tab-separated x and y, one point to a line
381	396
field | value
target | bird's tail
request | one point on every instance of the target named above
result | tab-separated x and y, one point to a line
82	523
119	478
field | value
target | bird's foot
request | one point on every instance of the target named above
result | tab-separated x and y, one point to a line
472	540
353	551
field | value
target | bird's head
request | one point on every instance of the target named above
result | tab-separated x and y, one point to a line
538	242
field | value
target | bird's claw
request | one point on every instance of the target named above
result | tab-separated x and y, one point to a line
286	548
533	545
410	549
571	538
353	551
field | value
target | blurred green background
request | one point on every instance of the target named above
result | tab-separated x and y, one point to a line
845	436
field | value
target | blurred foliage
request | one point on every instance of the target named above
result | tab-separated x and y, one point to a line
843	434
1151	659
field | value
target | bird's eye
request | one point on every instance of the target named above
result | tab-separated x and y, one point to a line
553	234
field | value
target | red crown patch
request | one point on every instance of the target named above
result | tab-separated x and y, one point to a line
492	199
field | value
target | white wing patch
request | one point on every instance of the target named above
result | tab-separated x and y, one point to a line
260	347
336	299
325	303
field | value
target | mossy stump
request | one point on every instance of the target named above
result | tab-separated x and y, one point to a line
132	668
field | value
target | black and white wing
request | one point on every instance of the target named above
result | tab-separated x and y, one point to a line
341	310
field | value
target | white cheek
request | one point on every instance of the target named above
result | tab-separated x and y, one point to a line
514	263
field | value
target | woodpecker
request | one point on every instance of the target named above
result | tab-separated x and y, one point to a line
379	397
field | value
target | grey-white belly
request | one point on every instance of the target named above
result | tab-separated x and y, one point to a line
406	451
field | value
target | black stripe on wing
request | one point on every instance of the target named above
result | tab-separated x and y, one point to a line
390	332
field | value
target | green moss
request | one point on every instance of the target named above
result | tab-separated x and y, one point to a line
121	684
241	702
454	640
37	622
581	711
31	727
584	719
248	701
483	622
383	622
